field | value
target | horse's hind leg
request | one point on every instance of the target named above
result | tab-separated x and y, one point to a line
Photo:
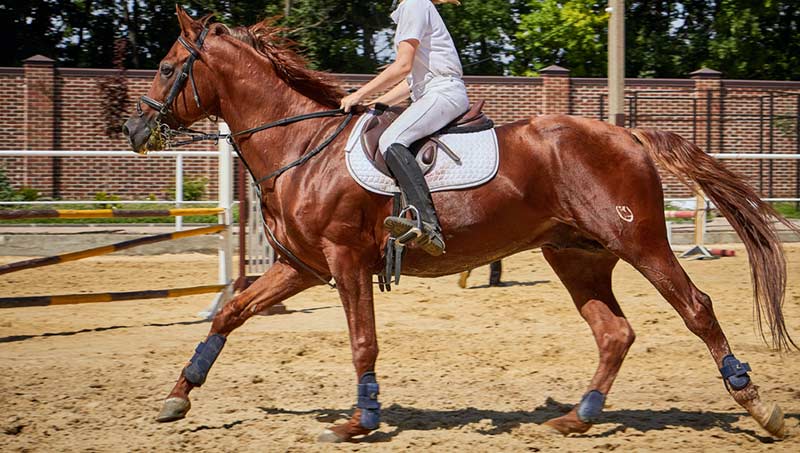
587	276
280	282
660	266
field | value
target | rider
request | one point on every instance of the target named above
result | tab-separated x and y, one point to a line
428	70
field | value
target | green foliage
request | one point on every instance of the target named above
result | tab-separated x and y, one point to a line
566	33
8	193
482	32
665	38
788	210
28	194
105	196
194	189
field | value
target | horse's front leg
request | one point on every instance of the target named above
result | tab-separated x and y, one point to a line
280	282
354	281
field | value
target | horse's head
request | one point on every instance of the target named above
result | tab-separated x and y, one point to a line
181	92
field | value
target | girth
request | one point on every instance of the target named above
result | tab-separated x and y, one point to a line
426	150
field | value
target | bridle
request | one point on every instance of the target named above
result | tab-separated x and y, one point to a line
187	73
165	112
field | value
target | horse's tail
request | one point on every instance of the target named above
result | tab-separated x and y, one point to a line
750	217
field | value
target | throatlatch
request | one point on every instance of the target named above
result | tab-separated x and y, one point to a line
734	372
368	391
591	406
204	356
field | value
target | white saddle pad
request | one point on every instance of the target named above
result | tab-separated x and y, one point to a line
478	152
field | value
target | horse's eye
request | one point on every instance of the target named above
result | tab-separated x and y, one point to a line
166	69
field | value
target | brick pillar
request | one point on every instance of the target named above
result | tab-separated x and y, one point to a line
708	92
40	123
556	90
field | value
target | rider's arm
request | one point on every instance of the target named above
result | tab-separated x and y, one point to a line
396	95
390	77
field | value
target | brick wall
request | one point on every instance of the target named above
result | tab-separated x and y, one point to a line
45	107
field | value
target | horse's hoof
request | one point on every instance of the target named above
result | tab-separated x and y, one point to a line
173	409
567	424
772	421
550	429
329	437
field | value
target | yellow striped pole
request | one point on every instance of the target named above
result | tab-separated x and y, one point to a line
74	256
103	213
43	301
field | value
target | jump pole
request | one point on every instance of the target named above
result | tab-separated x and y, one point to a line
104	250
225	250
68	299
102	213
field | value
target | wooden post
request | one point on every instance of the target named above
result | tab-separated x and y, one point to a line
616	62
699	251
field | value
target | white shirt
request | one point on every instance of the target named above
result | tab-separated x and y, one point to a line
436	54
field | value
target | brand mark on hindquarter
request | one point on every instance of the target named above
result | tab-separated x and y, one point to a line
625	213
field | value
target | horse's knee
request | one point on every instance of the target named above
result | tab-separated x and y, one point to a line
618	340
627	336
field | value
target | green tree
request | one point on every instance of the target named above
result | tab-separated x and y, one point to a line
28	29
570	33
650	37
756	39
482	32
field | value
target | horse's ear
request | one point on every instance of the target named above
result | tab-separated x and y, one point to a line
190	28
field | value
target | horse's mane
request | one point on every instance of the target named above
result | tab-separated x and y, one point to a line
292	68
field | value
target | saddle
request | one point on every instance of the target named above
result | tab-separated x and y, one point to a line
426	149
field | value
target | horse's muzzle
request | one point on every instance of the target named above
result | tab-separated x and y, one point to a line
138	132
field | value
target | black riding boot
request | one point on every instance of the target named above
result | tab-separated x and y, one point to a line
411	181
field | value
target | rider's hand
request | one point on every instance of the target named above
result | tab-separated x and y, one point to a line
350	101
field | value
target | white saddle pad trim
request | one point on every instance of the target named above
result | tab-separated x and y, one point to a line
478	151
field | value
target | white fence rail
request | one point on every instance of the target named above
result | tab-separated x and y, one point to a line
225	182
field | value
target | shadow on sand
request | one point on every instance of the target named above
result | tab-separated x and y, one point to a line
15	338
402	418
509	283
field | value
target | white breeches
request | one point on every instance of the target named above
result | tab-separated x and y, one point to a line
444	100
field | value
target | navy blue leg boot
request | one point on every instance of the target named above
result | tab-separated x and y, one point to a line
734	373
368	391
591	406
204	356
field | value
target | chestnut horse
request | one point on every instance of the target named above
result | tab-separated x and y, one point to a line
586	192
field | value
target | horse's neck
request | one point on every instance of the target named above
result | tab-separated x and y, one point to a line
251	103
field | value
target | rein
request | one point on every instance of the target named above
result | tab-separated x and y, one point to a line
303	159
164	110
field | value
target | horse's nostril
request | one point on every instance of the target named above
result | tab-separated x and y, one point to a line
125	130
